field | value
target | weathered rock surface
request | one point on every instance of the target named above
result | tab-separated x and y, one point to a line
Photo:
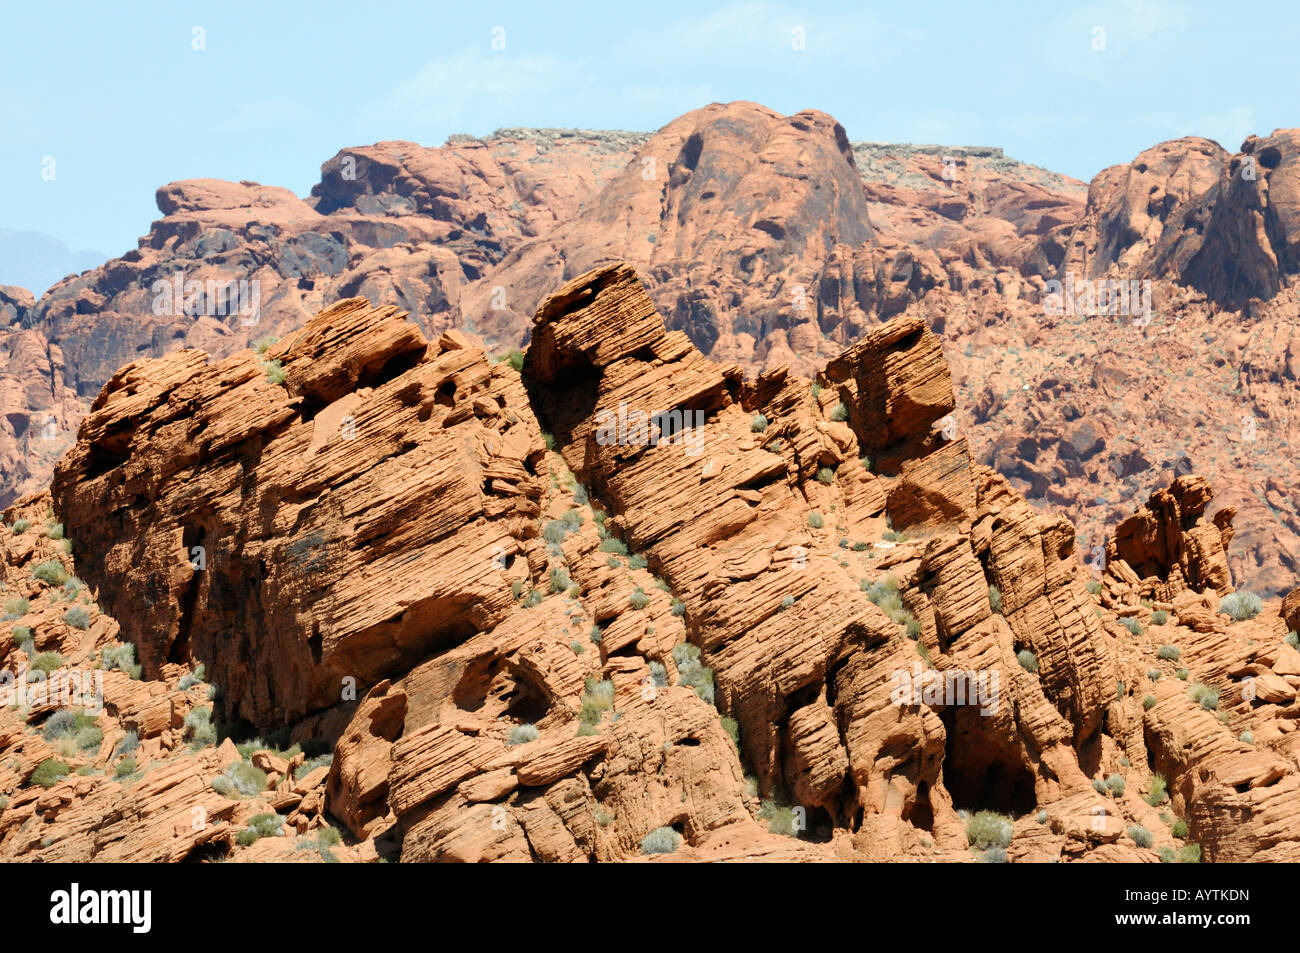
540	614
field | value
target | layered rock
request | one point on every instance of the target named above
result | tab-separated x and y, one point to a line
544	615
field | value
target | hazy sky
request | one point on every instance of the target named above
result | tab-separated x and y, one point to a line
122	101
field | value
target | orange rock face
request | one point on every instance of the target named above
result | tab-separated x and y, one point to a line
623	601
770	241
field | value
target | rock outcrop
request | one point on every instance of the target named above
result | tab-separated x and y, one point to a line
772	241
612	598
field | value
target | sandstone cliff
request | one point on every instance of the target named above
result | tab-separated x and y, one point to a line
455	610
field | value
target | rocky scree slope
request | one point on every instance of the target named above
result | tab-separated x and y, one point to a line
515	639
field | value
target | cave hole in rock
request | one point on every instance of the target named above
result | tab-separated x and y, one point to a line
393	368
982	771
920	812
525	701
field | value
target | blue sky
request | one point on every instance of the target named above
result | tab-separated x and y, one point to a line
122	101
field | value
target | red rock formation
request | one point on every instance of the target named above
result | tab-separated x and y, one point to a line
546	644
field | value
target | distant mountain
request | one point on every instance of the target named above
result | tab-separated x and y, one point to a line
35	260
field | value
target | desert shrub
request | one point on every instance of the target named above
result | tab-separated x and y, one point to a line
16	608
198	727
54	531
1159	617
67	547
560	580
993	855
787	602
555	531
267	825
659	674
890	536
1159	790
1133	625
1099	785
661	840
825	475
757	423
516	359
1153	674
274	371
912	629
1246	737
1094	587
89	738
1169	653
64	723
860	547
51	572
49	772
122	657
1292	639
311	764
595	634
1240	606
20	526
1179	829
638	599
995	598
1148	702
988	829
535	598
1204	695
128	745
262	345
602	817
1166	855
22	633
1028	661
781	819
1115	784
242	778
329	837
77	617
840	412
125	768
678	607
1182	673
1190	854
816	520
188	681
521	734
636	561
47	662
1140	835
612	545
1041	817
730	726
516	588
598	698
691	672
